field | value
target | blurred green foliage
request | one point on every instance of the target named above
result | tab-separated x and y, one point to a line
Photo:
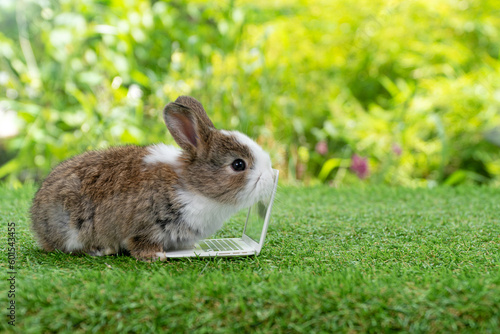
411	88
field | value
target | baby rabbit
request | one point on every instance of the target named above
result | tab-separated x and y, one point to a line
145	200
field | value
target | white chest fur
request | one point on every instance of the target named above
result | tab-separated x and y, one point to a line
204	214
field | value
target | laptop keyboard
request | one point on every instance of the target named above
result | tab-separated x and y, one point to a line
217	245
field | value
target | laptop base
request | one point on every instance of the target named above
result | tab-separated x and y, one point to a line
242	249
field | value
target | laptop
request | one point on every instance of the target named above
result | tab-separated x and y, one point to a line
250	243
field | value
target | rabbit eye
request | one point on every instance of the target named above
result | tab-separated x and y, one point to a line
238	165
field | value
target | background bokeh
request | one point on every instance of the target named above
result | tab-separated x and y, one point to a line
339	92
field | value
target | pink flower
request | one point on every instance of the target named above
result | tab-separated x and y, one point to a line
359	165
321	147
397	149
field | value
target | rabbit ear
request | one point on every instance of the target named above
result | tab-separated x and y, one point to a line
196	108
188	123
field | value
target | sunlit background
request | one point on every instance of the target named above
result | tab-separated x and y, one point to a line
339	92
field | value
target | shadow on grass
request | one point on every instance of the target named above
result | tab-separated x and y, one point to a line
36	258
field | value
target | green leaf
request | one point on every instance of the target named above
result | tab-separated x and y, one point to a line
9	167
456	178
328	166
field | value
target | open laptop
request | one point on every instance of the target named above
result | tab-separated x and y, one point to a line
250	243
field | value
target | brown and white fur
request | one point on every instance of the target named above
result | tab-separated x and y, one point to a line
145	200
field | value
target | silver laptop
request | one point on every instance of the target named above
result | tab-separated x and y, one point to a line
250	243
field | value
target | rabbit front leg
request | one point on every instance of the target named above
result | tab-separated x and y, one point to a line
144	249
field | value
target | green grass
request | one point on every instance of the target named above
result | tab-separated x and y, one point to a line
349	260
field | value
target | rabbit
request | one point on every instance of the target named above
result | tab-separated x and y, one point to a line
145	200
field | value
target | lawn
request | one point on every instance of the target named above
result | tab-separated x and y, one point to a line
348	260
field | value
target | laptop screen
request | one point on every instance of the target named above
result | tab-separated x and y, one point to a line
257	214
255	222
